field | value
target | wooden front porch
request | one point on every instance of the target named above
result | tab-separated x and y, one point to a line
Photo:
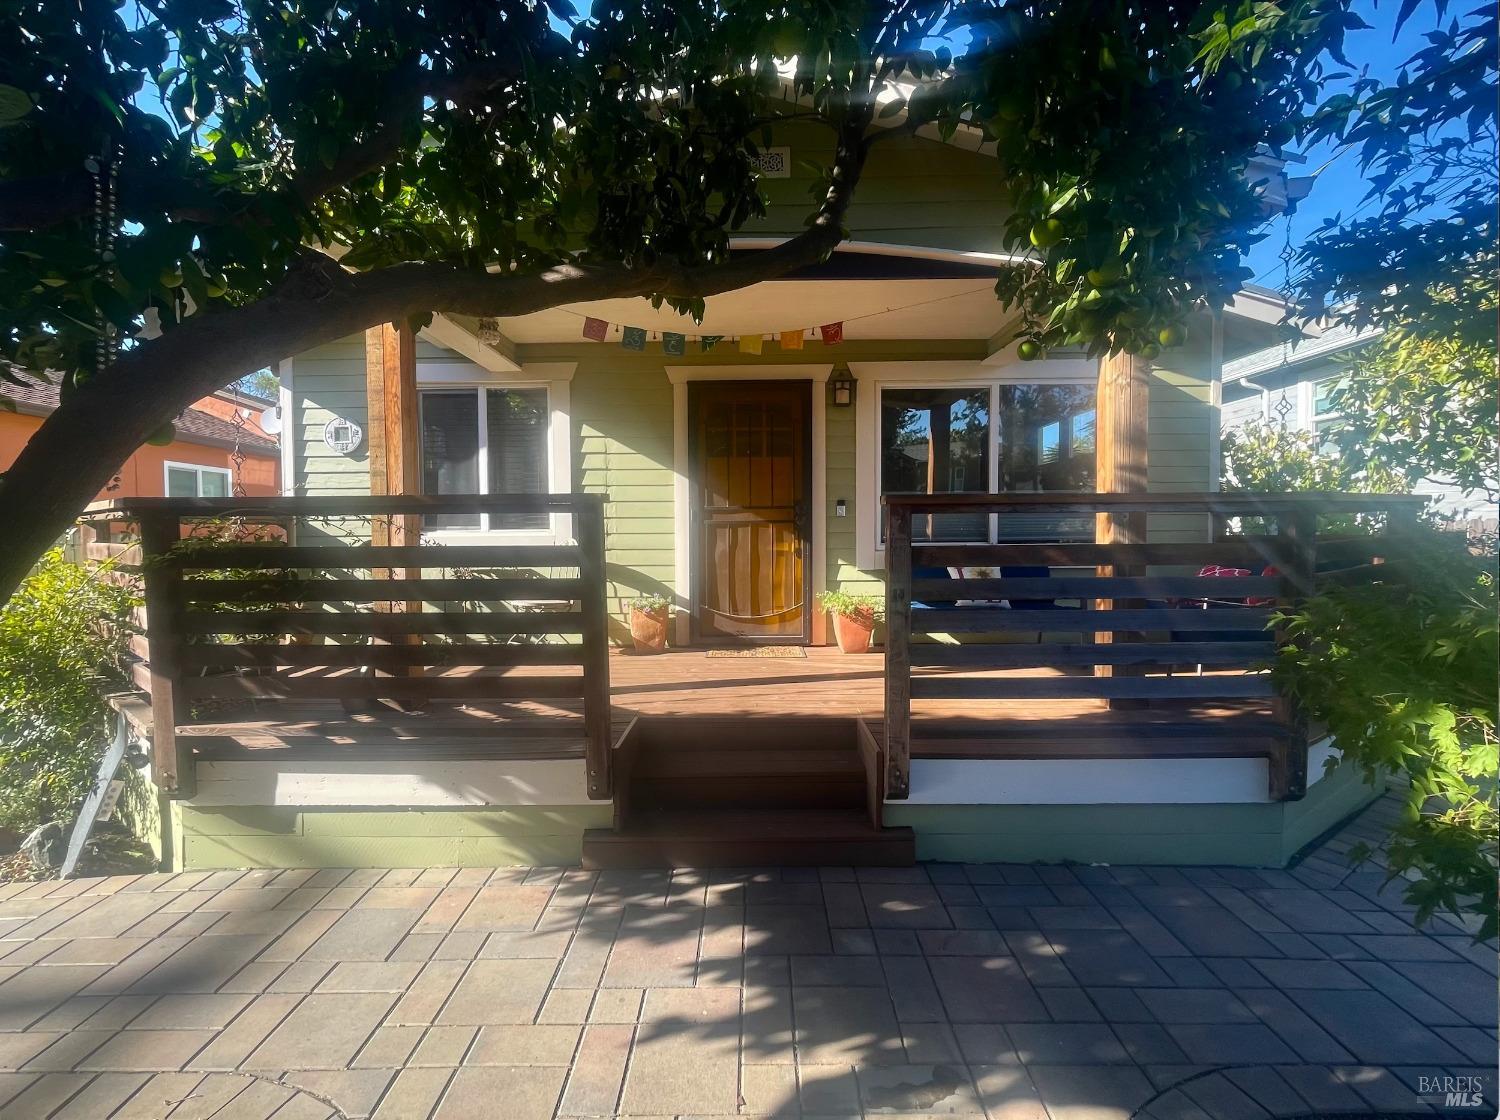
695	683
276	650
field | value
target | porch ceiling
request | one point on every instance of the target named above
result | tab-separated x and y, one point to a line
869	309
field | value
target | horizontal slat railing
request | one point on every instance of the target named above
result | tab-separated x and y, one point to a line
273	589
235	618
1137	636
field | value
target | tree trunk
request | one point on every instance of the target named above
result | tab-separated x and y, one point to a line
79	446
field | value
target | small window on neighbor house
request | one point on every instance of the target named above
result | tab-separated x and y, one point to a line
188	480
485	441
1326	417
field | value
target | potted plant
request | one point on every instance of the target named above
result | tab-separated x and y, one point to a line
854	618
648	623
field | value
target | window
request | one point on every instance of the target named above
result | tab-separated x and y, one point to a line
951	439
485	441
1326	418
190	480
937	441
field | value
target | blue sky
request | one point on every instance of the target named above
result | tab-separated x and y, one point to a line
1340	187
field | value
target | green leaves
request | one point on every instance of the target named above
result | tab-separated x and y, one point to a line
1401	671
61	639
1421	402
1124	139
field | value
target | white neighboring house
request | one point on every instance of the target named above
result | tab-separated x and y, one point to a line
1294	387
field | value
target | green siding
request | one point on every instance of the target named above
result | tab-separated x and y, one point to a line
1267	835
1179	426
913	191
258	836
622	447
621	411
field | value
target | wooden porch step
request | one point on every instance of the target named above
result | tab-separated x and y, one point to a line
761	838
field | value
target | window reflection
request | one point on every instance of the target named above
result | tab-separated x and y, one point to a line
937	441
940	439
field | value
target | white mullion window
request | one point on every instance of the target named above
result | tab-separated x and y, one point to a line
488	439
1038	437
483	452
195	480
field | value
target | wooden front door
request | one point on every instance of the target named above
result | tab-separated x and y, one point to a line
749	486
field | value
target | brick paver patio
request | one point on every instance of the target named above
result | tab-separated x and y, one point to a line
1016	992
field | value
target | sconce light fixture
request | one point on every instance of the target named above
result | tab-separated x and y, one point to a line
842	384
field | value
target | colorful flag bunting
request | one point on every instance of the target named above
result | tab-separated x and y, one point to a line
708	341
791	340
673	343
750	343
633	338
832	333
594	328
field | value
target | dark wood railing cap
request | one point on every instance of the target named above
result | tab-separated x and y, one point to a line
357	506
1227	504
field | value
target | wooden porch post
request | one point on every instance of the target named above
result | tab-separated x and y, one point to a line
391	393
391	384
1121	426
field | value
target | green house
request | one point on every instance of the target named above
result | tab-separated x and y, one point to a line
863	426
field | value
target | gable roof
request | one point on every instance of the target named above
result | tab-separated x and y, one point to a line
193	425
1334	340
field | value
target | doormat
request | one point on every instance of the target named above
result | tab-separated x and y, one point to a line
759	651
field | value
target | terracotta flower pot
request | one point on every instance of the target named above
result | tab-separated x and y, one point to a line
648	630
853	634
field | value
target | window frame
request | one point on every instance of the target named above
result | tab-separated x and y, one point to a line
874	377
1316	419
555	378
198	469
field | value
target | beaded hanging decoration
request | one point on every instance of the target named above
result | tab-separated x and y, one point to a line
105	172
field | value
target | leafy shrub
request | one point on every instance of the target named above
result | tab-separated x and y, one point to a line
1402	673
62	637
1262	458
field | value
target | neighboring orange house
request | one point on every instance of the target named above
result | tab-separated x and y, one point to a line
198	462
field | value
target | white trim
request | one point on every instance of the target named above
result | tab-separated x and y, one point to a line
1134	781
290	425
562	782
885	249
819	371
438	373
875	376
818	516
681	376
377	784
198	468
444	332
1215	401
682	563
556	378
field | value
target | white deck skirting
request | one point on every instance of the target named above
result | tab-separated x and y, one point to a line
559	782
384	785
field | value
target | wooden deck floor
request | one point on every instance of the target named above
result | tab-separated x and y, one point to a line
691	682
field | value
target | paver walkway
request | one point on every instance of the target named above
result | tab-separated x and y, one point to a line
1017	992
